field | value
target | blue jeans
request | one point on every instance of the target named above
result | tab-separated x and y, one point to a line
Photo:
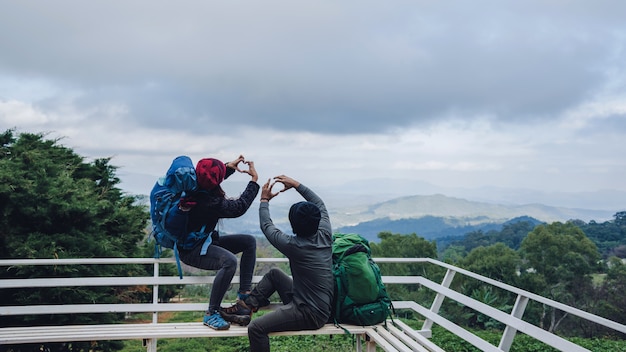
221	257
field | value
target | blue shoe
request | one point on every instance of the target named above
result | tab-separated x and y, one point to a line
215	321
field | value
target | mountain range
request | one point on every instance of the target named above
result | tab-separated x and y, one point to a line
428	216
404	206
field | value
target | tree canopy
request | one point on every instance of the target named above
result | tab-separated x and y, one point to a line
54	204
560	260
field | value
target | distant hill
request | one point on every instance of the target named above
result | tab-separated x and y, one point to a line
439	216
429	216
429	227
442	206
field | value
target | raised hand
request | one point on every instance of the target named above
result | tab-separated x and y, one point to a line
266	190
251	170
287	181
235	163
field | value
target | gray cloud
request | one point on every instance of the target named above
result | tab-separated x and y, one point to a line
331	67
457	94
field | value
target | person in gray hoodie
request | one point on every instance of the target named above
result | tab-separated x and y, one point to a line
306	295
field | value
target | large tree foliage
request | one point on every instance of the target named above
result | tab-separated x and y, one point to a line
612	291
560	260
511	234
560	252
609	236
407	246
497	261
403	246
53	204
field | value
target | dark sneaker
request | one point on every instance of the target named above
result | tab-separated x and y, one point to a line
238	313
215	321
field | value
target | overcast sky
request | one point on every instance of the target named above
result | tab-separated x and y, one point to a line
456	94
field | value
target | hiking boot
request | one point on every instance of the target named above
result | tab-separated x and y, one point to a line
215	321
239	313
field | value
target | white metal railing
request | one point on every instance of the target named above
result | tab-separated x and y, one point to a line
512	321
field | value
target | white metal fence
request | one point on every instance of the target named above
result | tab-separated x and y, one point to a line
512	320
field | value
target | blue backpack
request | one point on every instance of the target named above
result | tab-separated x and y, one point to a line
169	223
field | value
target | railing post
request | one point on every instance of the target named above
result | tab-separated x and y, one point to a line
509	333
359	346
151	344
155	293
370	345
447	280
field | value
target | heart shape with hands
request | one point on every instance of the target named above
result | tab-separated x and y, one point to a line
287	182
235	165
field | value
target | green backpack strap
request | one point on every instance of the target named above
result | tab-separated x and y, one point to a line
338	272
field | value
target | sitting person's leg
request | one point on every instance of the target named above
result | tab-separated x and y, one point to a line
225	262
246	245
274	281
286	318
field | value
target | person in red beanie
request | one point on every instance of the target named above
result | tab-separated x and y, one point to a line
206	207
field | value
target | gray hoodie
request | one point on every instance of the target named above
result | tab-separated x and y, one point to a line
310	258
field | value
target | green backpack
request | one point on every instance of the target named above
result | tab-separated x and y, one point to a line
360	295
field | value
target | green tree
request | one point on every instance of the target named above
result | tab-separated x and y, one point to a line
514	233
609	236
511	235
612	291
403	246
53	204
453	254
476	239
620	219
407	246
561	260
497	261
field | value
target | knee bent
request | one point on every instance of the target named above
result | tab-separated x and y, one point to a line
254	328
230	263
275	271
250	242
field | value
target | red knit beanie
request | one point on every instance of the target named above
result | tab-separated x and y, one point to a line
210	173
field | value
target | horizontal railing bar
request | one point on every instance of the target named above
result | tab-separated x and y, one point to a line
148	280
101	308
121	261
454	328
108	261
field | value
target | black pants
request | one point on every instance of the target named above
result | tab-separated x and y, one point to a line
289	317
221	257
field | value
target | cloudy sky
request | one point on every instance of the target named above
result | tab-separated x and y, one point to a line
370	97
